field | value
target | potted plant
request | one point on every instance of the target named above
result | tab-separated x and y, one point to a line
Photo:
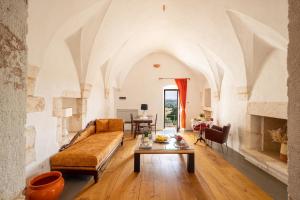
280	136
202	117
146	136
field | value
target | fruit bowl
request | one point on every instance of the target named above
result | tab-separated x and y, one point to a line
161	139
178	138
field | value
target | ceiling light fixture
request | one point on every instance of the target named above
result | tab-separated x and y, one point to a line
156	65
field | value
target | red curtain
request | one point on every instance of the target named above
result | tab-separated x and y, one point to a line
182	87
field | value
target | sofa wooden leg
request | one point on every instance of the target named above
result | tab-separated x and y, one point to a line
96	177
122	141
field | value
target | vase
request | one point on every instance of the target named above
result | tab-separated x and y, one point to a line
47	186
146	140
283	152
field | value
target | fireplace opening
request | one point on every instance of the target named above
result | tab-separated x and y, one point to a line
264	141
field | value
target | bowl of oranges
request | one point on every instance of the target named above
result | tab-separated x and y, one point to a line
161	139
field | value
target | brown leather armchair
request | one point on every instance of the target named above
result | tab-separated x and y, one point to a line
218	134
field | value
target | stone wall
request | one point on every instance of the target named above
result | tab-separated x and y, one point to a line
68	126
13	64
33	104
294	100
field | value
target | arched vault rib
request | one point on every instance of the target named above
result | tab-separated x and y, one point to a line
257	41
79	33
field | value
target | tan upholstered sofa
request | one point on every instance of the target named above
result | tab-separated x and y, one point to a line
90	148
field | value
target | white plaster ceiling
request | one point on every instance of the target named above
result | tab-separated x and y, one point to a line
208	36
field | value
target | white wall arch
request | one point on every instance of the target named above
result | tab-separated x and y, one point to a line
258	42
47	17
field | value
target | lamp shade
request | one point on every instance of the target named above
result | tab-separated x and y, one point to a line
144	106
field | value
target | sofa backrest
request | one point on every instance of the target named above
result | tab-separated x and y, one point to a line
96	126
107	125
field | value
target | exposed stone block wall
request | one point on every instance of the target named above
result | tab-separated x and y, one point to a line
294	101
67	127
13	65
33	104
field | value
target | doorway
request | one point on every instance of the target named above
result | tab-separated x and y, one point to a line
171	108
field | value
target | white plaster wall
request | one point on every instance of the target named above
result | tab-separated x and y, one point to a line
96	101
271	83
58	74
142	86
231	109
58	77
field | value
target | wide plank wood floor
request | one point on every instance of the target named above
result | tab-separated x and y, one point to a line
165	177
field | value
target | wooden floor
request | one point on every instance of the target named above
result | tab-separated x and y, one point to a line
165	177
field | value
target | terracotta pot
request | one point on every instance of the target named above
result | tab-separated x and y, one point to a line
47	186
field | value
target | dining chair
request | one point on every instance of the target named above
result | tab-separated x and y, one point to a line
154	124
133	125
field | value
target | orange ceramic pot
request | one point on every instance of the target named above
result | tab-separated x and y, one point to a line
47	186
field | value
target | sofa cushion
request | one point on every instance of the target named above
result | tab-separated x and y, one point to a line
88	152
115	124
85	133
102	125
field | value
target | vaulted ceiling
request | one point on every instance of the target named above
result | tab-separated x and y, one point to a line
212	36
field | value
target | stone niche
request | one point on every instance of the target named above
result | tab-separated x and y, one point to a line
70	113
257	145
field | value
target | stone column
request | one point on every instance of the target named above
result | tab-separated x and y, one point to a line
13	65
294	100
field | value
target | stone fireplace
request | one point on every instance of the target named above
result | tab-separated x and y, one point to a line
257	144
265	143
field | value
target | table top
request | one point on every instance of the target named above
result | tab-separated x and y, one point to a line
162	148
141	120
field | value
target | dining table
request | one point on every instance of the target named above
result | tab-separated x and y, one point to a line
139	121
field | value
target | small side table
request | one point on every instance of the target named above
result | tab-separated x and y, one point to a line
201	127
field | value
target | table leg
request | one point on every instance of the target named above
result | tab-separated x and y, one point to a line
191	162
137	162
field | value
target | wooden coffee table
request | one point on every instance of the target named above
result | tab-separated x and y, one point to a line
162	148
